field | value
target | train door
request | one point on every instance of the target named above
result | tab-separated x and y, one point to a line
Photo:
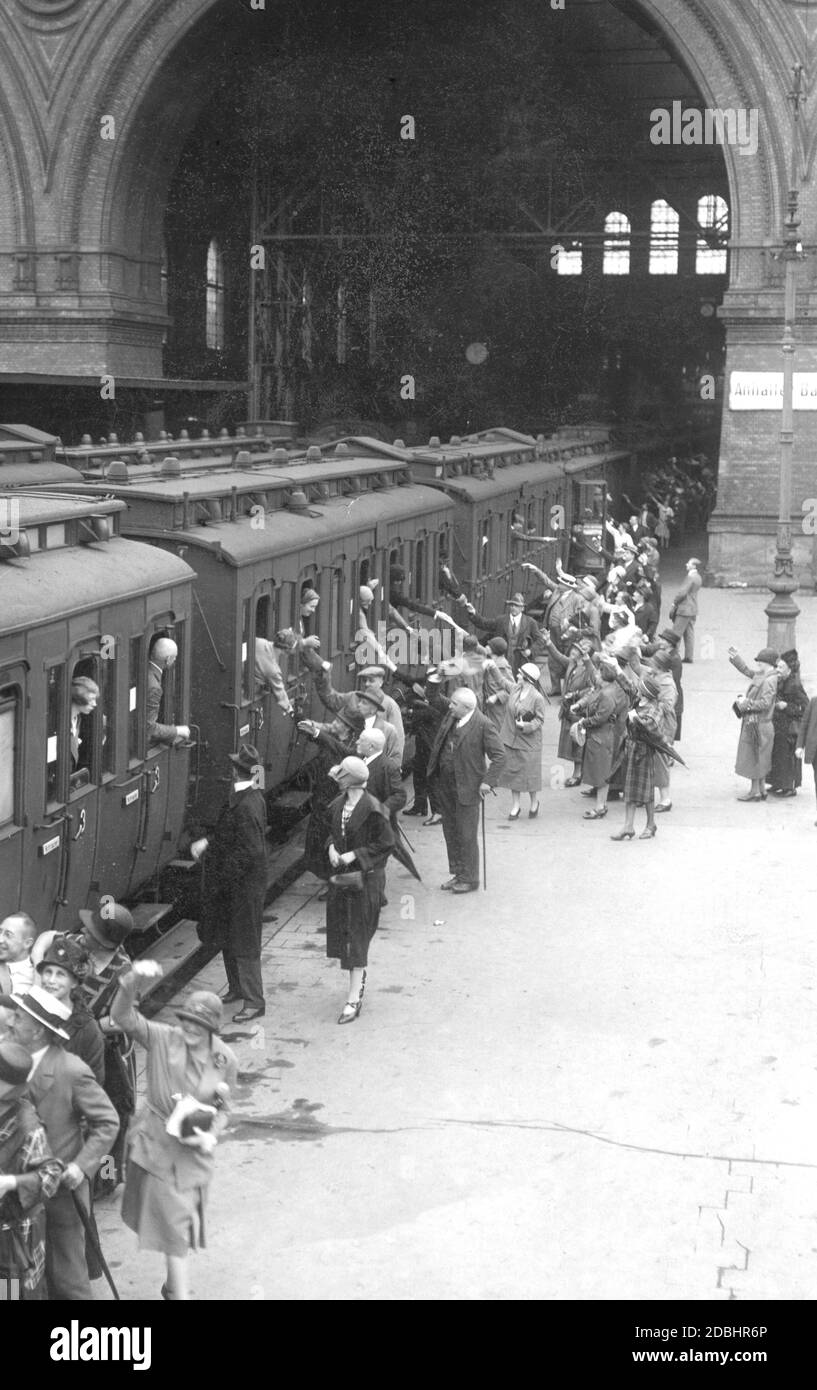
90	732
162	765
12	706
42	880
122	797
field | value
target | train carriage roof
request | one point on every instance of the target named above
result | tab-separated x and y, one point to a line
60	583
48	474
241	542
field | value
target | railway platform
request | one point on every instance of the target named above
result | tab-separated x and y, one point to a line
593	1081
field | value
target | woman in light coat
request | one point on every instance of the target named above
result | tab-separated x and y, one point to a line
521	735
756	710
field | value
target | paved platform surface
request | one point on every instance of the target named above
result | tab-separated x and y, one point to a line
594	1081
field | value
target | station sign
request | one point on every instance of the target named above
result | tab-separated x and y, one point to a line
764	390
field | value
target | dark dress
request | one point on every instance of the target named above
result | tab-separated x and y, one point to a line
235	876
352	917
786	771
331	750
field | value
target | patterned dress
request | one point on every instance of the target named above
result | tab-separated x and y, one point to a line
24	1154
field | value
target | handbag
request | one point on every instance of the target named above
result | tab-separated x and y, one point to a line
736	710
350	882
578	733
187	1115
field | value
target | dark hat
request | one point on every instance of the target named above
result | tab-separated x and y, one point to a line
353	720
662	661
372	696
670	635
68	955
516	598
498	646
110	926
791	658
203	1008
247	758
15	1063
768	655
41	1006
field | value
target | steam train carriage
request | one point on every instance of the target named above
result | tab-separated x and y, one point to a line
86	805
257	535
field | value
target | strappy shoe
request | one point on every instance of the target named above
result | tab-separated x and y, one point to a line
662	807
598	814
648	833
573	782
623	835
349	1011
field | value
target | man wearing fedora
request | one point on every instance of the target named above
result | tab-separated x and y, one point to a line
235	884
368	701
81	1125
516	626
29	1174
371	679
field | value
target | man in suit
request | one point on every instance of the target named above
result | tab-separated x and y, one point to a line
465	762
371	679
81	1126
235	884
17	936
368	701
516	626
163	655
684	609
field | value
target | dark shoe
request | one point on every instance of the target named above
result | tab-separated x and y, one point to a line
591	791
787	791
416	810
449	884
247	1015
433	820
662	807
648	833
514	815
533	812
460	887
623	835
573	782
231	998
598	814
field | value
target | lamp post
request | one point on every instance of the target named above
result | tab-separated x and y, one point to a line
782	611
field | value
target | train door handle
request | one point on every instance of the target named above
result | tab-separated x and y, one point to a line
155	775
83	820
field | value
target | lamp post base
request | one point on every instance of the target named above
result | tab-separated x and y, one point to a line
782	613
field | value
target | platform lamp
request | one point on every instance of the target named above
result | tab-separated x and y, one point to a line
782	611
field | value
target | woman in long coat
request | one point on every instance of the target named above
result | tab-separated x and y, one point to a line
521	734
335	740
168	1177
579	679
603	711
644	725
756	710
786	773
358	846
497	681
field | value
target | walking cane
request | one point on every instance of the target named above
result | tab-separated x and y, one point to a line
92	1236
484	861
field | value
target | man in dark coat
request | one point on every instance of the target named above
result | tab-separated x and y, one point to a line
516	626
465	762
235	884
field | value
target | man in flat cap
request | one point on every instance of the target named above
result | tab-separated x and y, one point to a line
81	1125
235	884
29	1174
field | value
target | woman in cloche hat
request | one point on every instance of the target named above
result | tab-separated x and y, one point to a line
170	1161
521	734
755	710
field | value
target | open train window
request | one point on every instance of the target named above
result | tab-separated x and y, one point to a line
9	755
419	575
263	616
484	543
167	678
247	666
92	715
135	699
54	753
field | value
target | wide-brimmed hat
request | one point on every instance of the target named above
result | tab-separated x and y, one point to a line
247	758
353	719
768	655
68	955
15	1063
203	1008
662	661
352	768
110	927
670	635
516	598
43	1007
530	671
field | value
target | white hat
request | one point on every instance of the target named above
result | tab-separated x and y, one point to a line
353	768
530	671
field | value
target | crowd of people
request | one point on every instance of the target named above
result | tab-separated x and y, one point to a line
69	1001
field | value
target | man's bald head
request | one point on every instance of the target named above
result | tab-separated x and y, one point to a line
164	652
371	741
463	701
17	936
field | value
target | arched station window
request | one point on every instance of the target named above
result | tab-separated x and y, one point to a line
616	244
713	218
663	239
215	297
569	260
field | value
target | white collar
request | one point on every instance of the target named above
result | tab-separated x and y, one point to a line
462	722
36	1058
371	758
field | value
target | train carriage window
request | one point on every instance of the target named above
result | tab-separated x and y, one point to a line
91	719
419	575
263	616
9	703
55	678
135	700
335	610
484	542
